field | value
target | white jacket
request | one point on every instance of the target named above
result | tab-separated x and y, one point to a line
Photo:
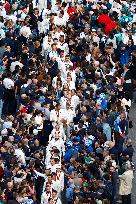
126	182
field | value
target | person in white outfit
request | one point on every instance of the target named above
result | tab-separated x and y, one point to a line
46	195
126	184
55	197
57	142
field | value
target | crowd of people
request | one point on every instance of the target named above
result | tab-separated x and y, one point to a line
67	75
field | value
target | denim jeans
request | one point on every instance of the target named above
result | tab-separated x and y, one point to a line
1	107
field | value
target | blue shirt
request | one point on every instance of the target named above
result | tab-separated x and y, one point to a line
70	192
124	58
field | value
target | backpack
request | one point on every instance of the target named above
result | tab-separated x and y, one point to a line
25	90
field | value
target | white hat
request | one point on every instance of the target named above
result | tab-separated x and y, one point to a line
91	12
94	7
93	30
4	132
35	132
103	7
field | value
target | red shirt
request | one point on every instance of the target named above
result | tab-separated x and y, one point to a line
7	6
71	12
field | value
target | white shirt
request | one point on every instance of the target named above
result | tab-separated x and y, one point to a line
124	103
64	67
25	31
96	39
19	180
45	12
58	34
48	156
40	174
54	8
116	5
57	201
134	17
72	73
113	41
125	38
55	117
61	133
69	115
88	57
63	101
7	124
38	120
134	39
63	46
8	83
20	155
45	197
43	26
2	34
54	81
68	64
13	65
13	18
28	117
59	21
60	178
82	35
75	101
51	167
23	15
46	46
57	143
94	87
3	12
53	54
71	85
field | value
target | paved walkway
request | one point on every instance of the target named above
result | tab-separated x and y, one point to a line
132	135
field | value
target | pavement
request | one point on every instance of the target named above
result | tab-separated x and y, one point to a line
132	135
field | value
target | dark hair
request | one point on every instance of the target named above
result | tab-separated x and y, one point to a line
54	191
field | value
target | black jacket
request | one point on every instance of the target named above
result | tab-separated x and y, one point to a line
1	91
128	151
